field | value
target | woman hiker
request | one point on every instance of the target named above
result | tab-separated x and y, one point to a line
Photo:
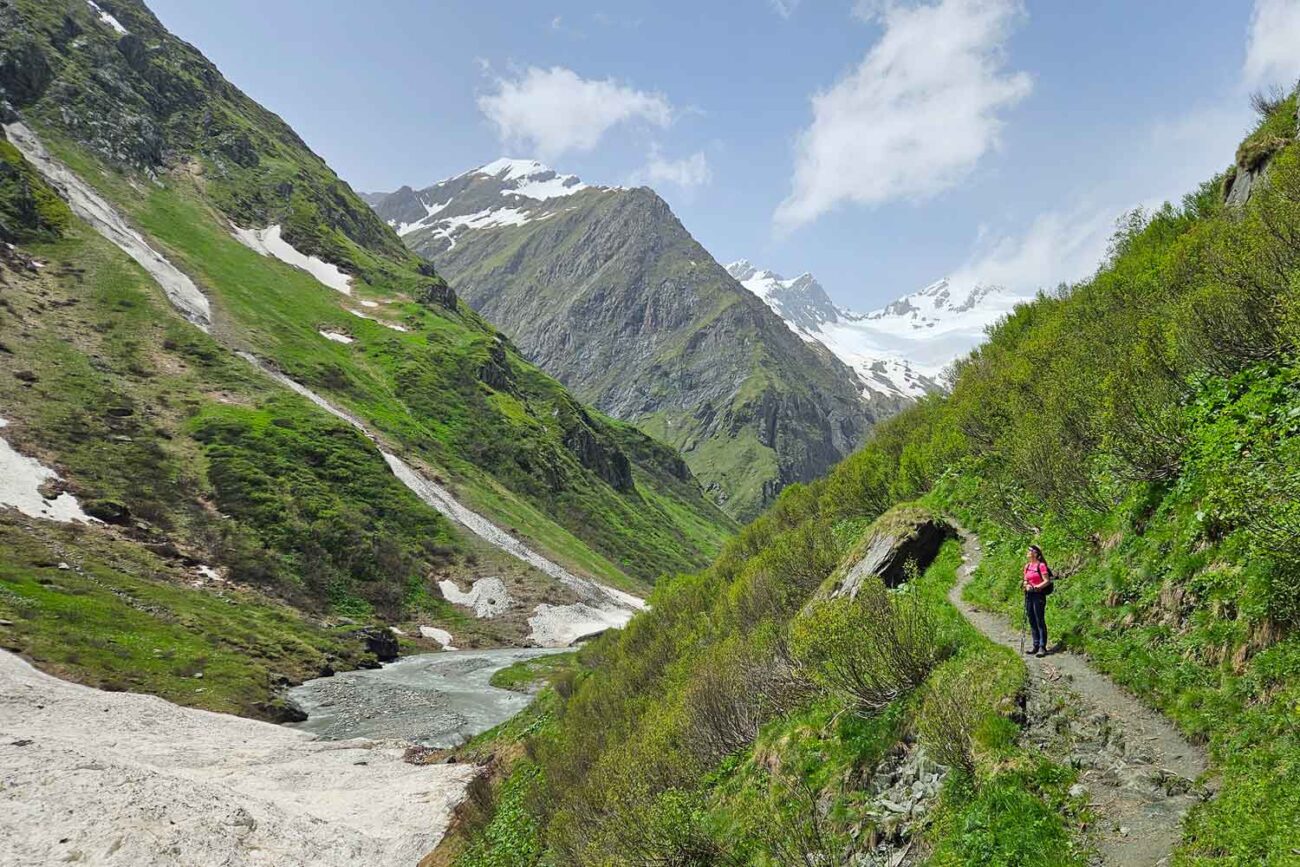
1037	581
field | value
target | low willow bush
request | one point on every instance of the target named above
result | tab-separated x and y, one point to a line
870	649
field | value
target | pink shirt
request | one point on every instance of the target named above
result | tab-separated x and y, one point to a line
1035	574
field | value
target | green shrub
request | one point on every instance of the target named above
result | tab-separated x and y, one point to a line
871	649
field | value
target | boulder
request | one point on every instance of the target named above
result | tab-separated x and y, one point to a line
898	538
381	642
436	294
25	72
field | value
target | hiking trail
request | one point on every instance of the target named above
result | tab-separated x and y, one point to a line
1138	771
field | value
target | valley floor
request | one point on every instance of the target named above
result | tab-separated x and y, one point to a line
120	778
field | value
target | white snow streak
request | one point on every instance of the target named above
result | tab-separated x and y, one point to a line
91	207
612	607
269	242
391	325
336	336
107	19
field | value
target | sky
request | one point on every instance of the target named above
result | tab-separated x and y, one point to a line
879	144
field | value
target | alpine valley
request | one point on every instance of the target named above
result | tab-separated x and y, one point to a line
498	524
245	430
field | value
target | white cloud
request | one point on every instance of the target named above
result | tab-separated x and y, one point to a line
915	116
1273	43
557	111
1068	244
784	8
688	172
1057	247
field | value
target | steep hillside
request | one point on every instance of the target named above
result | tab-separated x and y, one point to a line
215	404
788	706
606	290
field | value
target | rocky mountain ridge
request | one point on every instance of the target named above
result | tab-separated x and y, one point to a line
604	288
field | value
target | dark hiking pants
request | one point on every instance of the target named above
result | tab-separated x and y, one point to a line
1036	614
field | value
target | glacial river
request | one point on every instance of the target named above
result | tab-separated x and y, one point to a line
433	699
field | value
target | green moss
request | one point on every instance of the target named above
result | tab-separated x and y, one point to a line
527	674
29	209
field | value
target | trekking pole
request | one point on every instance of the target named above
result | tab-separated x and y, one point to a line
1024	621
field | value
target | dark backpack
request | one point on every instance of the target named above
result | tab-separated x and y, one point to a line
1051	582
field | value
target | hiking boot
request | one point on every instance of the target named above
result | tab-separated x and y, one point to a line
1031	652
1040	653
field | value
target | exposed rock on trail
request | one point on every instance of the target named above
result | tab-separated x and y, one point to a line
1138	772
119	778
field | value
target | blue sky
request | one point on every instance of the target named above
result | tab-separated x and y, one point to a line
880	144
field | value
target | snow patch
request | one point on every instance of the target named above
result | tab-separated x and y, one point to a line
156	784
91	207
336	336
370	304
391	325
489	218
487	596
441	636
21	479
270	242
106	18
531	179
561	625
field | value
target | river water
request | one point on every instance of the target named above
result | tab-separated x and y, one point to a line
432	699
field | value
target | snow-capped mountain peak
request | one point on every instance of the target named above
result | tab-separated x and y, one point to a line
801	302
530	179
503	193
900	349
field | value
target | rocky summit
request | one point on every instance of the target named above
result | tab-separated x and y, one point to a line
606	290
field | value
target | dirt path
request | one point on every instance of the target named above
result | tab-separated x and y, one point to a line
1138	771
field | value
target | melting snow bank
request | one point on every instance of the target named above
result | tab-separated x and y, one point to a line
441	636
336	336
488	596
21	479
615	607
561	625
268	242
91	207
103	777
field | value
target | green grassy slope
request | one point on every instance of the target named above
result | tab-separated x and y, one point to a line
450	389
1143	428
